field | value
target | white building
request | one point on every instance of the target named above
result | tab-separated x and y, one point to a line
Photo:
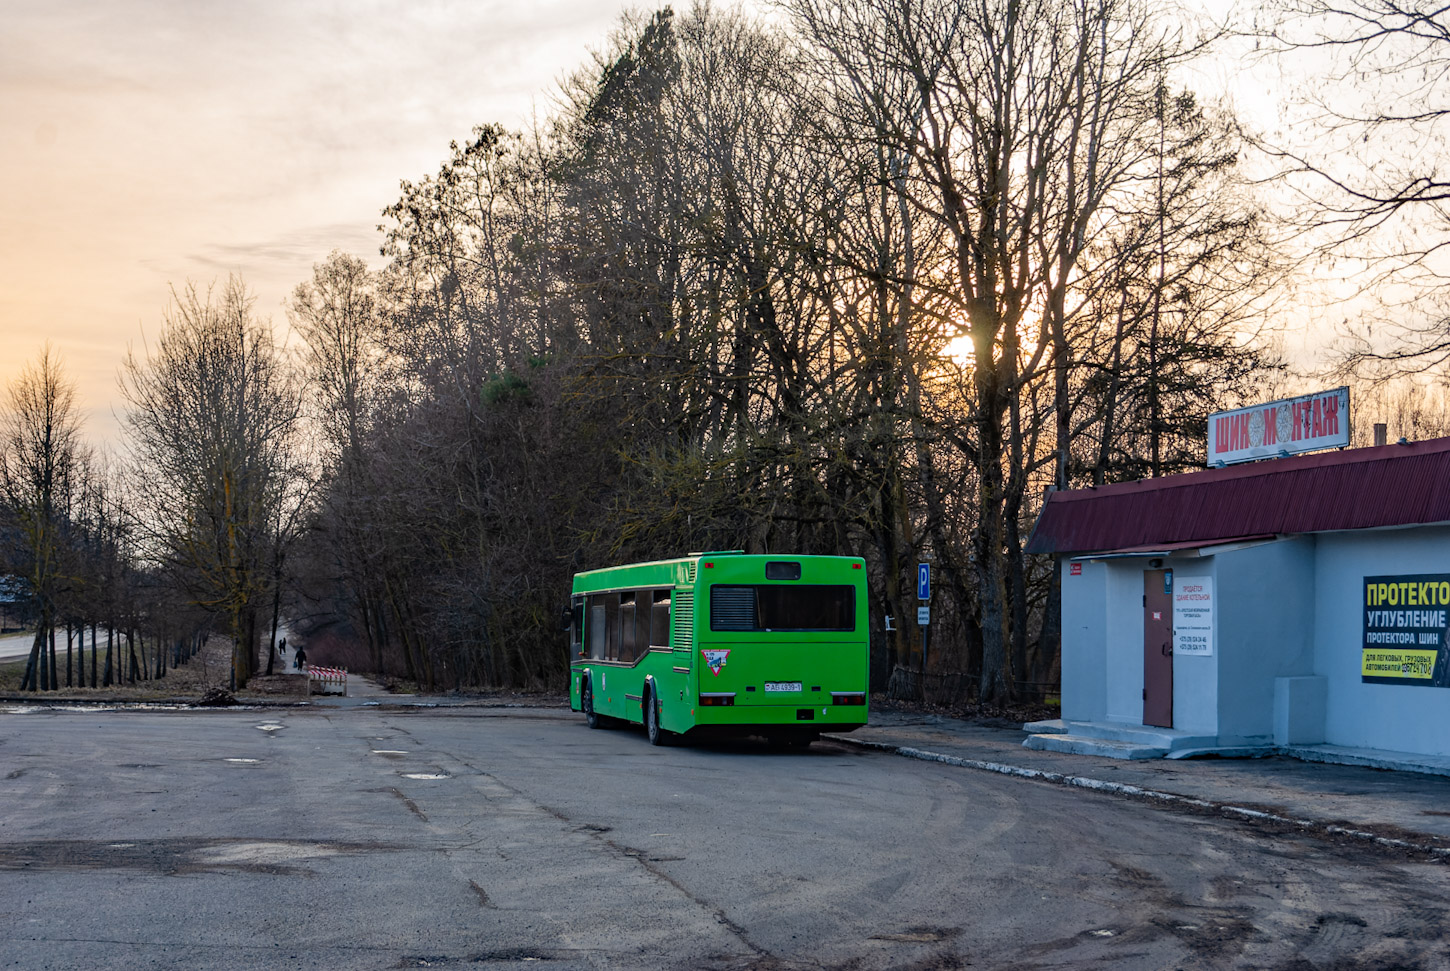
1298	604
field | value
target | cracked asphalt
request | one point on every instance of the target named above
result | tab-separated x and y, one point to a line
371	837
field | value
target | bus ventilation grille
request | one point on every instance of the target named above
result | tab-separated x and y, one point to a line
690	572
683	620
732	608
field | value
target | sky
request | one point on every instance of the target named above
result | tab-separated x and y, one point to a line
145	144
148	143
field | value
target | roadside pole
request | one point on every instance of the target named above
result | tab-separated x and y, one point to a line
923	615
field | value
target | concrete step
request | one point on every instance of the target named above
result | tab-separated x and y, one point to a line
1084	745
1165	738
1053	726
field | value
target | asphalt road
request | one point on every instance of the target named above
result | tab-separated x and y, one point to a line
368	838
16	647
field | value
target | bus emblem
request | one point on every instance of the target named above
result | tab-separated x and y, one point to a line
716	660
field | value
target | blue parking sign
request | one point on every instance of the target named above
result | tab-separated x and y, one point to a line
923	581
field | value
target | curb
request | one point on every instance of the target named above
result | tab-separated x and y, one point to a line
1437	853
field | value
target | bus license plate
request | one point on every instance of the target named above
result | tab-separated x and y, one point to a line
782	686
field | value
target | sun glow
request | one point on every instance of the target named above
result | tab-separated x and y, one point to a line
959	350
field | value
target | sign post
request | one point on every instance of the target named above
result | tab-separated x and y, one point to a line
923	614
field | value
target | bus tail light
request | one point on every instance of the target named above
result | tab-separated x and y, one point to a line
848	698
717	699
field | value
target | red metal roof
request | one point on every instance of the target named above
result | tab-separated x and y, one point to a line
1389	485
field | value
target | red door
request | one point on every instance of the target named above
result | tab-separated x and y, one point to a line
1158	648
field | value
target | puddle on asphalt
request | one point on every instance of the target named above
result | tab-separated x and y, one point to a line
261	853
389	751
178	855
243	761
424	775
270	727
918	935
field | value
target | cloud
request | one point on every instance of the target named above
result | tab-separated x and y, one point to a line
299	246
148	142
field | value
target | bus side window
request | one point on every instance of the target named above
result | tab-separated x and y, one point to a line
598	623
611	626
659	630
576	626
626	627
643	601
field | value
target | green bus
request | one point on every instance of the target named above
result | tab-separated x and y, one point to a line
721	645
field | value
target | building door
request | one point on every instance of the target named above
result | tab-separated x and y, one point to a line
1158	648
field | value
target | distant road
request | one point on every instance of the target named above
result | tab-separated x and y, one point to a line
16	647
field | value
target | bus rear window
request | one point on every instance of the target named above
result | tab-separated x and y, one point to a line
797	607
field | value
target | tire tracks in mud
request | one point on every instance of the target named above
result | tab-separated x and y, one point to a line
1329	831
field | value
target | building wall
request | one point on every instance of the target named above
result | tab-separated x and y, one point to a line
1395	718
1084	642
1289	629
1266	600
1102	648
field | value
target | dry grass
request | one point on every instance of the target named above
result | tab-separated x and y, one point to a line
210	668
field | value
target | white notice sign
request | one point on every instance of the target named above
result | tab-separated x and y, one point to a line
1193	615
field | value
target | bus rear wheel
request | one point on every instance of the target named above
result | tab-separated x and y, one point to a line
586	701
652	728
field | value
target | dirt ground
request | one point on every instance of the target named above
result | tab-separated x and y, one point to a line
1006	716
209	671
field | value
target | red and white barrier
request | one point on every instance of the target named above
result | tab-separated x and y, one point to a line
327	681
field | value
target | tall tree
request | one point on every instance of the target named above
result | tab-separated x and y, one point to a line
41	462
862	288
1027	130
338	317
212	415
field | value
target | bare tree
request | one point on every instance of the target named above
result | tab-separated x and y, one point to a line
338	316
1024	130
718	304
212	415
41	462
1367	167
